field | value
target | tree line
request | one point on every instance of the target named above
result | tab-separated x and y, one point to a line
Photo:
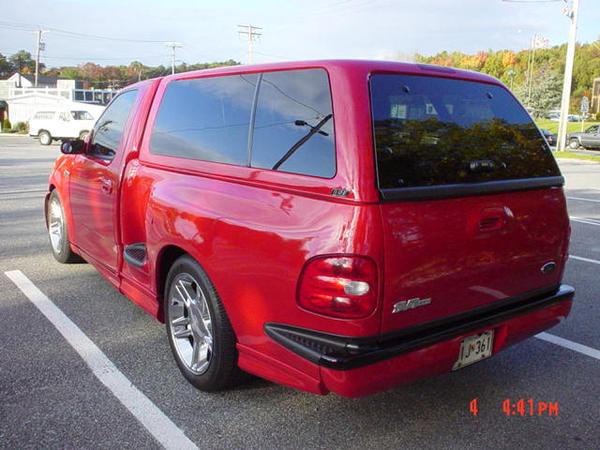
544	91
541	94
95	75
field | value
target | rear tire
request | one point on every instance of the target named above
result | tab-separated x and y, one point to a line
573	144
199	332
83	135
45	137
58	233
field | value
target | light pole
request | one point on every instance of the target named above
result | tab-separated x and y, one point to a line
566	93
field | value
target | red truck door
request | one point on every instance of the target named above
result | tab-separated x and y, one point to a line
93	188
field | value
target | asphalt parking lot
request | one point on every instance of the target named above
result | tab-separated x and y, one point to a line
49	397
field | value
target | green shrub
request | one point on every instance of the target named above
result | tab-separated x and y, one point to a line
6	125
598	116
21	128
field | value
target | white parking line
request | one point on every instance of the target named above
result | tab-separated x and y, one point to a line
142	408
584	220
583	349
579	258
584	199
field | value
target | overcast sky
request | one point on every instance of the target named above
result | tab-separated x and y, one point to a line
292	29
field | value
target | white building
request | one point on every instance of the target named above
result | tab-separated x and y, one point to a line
22	100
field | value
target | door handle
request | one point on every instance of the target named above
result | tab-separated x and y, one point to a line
490	219
107	185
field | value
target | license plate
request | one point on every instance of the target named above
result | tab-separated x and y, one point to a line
474	349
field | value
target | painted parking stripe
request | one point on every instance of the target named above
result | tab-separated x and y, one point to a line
24	191
142	408
584	199
579	258
579	348
583	220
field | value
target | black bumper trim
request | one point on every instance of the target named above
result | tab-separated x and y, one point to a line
344	352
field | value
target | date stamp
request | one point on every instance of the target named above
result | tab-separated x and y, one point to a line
521	408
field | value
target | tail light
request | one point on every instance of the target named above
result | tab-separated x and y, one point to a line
339	286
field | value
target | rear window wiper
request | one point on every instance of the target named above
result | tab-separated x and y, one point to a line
304	123
313	130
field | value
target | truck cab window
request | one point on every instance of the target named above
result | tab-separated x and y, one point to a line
108	131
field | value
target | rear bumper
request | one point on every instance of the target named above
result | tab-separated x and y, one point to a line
353	366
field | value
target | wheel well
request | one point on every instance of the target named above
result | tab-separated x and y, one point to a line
167	256
50	189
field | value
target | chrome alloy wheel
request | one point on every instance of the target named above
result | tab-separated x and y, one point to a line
190	323
55	226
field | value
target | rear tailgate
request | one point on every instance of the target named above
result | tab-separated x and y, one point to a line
473	210
467	253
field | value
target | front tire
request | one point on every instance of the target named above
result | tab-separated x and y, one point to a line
57	231
573	144
45	137
83	134
200	335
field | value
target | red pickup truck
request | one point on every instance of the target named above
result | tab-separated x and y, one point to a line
335	226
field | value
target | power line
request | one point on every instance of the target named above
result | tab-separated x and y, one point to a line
93	58
87	58
29	27
532	1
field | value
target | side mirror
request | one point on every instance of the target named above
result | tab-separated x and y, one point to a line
72	147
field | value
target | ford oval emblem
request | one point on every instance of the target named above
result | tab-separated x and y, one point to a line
548	267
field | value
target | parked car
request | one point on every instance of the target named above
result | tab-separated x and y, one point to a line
334	226
54	124
590	138
551	138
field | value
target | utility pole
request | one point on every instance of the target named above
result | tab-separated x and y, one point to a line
173	46
19	69
566	93
39	47
530	62
250	32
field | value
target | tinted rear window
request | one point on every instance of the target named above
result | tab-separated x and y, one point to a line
436	131
206	119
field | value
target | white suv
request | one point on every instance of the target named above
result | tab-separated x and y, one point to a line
48	125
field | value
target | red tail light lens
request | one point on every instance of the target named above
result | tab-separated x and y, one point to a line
340	286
